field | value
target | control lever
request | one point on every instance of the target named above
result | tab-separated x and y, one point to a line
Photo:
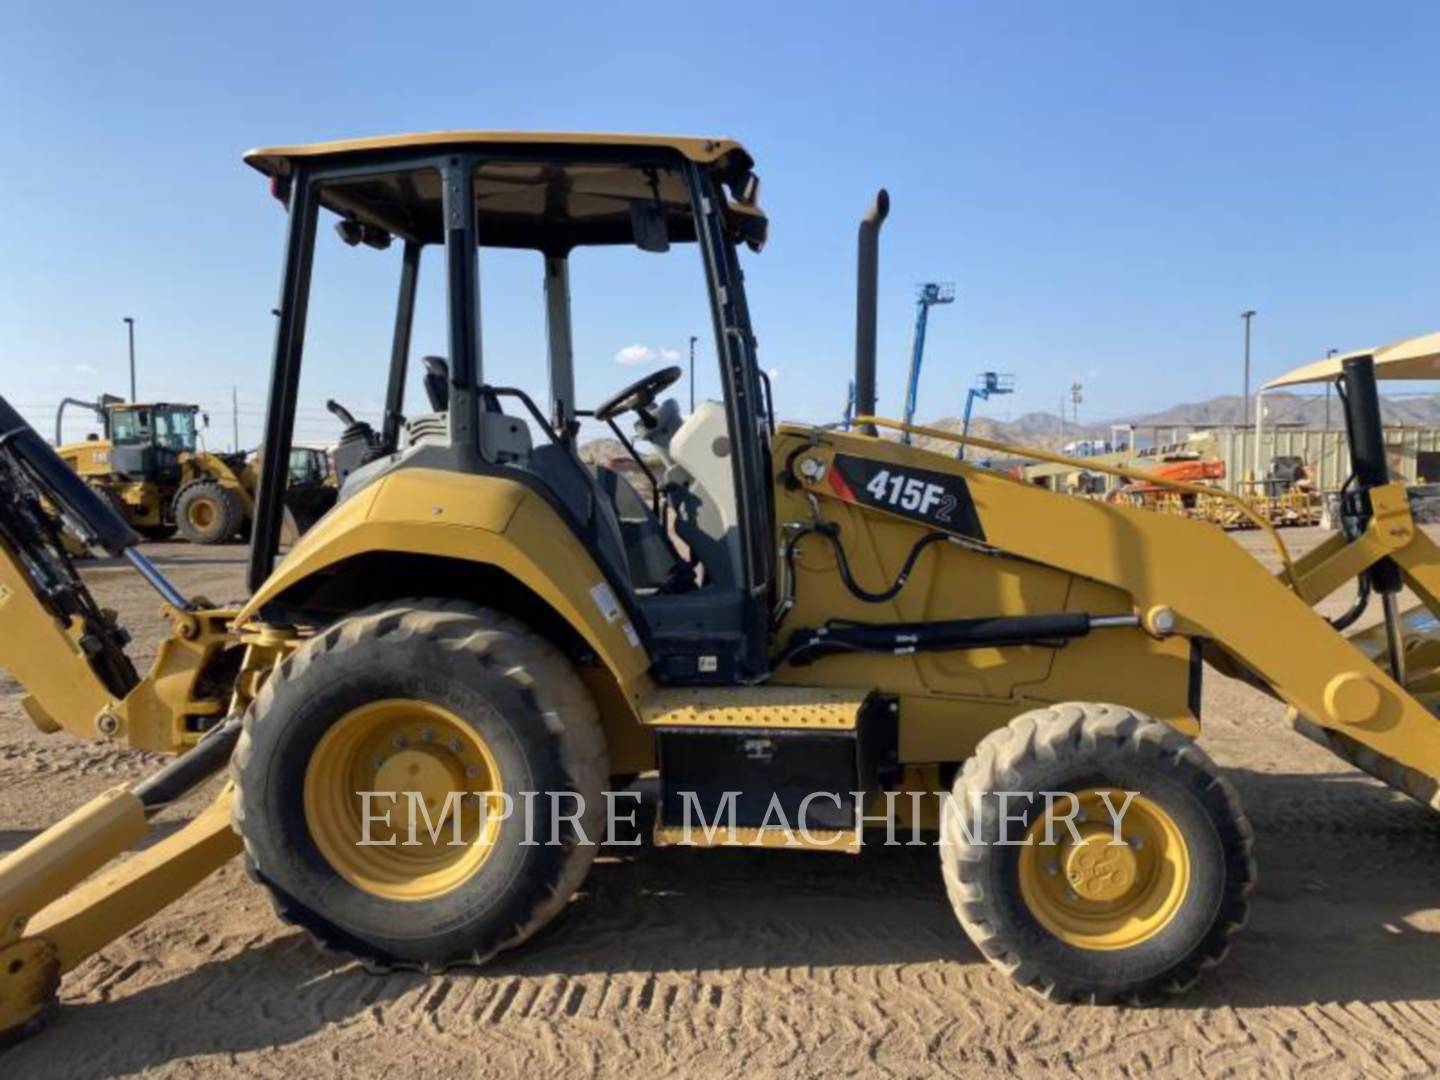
344	415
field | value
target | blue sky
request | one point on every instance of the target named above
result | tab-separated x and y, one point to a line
1108	185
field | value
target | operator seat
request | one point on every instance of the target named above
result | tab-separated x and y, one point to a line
701	481
652	561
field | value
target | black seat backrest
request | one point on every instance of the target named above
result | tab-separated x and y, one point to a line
576	487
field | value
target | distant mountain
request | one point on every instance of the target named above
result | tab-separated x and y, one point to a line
1288	410
1292	410
1047	430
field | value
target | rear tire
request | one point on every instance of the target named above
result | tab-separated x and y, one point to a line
480	679
1092	921
207	513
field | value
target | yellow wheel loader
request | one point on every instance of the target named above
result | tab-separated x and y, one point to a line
150	468
806	632
149	465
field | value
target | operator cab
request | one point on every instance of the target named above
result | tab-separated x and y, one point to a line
686	554
308	466
147	440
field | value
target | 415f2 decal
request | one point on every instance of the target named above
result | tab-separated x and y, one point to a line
939	499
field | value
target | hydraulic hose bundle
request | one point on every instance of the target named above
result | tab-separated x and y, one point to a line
831	532
809	644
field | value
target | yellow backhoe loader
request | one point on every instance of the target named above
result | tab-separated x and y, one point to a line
852	622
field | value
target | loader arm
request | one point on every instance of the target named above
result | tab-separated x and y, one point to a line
1235	608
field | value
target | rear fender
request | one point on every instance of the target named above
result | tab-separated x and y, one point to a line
485	520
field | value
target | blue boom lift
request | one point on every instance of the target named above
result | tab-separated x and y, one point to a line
986	383
930	294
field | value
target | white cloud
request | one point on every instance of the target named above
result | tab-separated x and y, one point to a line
774	373
632	355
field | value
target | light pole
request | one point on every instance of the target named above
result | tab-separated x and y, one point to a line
1328	382
1245	396
693	339
1324	435
130	328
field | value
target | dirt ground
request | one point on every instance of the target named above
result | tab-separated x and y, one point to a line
683	963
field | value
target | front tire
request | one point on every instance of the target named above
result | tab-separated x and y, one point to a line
441	695
1082	918
207	513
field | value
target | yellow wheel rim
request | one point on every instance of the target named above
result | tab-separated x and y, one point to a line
403	746
1097	895
201	513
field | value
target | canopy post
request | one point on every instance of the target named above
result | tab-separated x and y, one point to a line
559	342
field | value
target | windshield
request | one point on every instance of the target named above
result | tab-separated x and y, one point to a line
129	427
175	428
306	466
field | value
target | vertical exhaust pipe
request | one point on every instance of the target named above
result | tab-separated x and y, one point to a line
867	281
1371	468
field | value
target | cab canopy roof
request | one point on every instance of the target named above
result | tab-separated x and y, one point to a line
551	191
1413	358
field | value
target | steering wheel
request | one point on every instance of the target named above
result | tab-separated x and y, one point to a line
639	395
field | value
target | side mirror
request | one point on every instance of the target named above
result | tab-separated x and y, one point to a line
353	232
748	225
205	419
750	190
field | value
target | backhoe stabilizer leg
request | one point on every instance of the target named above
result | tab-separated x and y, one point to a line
79	921
54	913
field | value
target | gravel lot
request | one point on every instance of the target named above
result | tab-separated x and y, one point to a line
677	963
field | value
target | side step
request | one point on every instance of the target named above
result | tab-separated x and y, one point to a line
771	766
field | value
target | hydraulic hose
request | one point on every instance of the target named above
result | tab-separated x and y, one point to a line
190	769
1362	601
831	532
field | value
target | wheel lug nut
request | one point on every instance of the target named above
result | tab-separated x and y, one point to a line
426	734
398	742
1052	868
454	745
472	771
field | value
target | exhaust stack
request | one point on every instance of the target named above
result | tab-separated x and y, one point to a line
867	280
